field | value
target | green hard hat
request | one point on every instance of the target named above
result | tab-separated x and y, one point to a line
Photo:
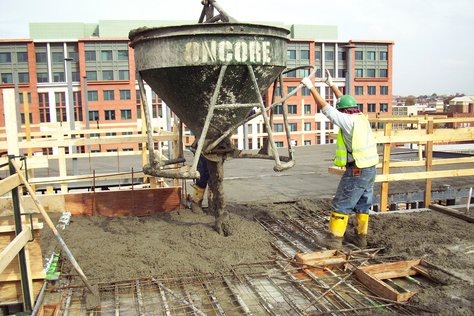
346	101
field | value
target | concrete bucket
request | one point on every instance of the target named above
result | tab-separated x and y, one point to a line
210	75
182	65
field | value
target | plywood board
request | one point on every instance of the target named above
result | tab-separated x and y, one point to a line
139	202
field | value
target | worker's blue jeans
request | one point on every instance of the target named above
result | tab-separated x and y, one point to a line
203	169
354	193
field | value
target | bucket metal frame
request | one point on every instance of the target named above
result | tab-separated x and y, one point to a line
157	167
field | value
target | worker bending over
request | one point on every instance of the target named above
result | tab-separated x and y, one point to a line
356	150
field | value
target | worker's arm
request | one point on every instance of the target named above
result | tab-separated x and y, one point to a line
320	102
331	85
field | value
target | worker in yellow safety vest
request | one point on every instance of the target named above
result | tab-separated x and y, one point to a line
356	151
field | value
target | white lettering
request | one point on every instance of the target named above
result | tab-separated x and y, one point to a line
226	52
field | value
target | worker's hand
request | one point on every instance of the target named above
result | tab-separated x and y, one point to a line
328	79
307	82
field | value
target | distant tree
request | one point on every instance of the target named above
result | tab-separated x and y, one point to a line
410	100
434	95
446	100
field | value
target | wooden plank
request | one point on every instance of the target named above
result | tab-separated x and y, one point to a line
336	170
429	163
424	175
391	266
9	108
11	293
445	135
385	170
327	257
395	274
11	251
9	183
451	212
377	287
87	177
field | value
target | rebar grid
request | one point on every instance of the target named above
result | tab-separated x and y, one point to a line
275	287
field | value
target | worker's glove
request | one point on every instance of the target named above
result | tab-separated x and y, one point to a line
328	79
307	83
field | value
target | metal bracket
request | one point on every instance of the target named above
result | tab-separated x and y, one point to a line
31	223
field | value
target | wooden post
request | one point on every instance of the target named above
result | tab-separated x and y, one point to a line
61	156
385	169
428	161
9	107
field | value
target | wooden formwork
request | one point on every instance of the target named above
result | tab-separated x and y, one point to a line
10	277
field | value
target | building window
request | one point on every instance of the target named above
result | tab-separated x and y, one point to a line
360	106
124	75
278	127
307	109
359	90
279	144
5	58
304	54
293	127
58	77
7	78
41	58
328	125
42	77
371	55
109	95
317	55
57	57
109	115
383	107
329	55
23	118
91	75
20	95
278	109
127	133
292	109
91	55
371	90
371	73
107	75
383	55
307	126
23	77
277	91
303	73
93	116
22	57
92	95
291	54
383	90
43	104
318	125
291	74
305	91
75	76
371	107
125	95
307	142
383	73
341	73
74	56
291	88
126	114
359	55
359	73
106	55
341	56
122	55
60	99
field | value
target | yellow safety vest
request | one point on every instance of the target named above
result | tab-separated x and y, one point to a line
364	148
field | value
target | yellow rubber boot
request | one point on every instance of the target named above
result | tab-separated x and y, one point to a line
337	228
362	226
197	198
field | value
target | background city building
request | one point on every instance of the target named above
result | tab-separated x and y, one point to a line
96	63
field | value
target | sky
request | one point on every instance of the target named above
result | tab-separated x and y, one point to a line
434	42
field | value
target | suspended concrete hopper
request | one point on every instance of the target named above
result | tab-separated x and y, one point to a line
212	76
